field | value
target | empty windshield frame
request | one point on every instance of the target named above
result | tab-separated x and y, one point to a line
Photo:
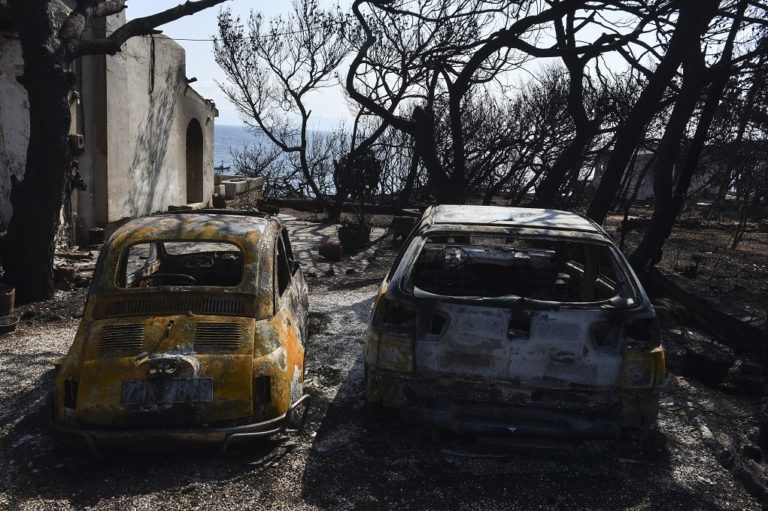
175	263
567	270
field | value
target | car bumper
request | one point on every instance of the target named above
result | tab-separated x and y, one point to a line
505	409
97	440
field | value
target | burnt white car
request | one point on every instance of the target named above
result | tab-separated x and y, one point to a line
516	321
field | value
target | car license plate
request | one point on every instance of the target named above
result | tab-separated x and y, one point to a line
166	391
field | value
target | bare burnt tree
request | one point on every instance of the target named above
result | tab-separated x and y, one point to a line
402	178
254	159
399	73
262	158
50	43
282	172
327	147
510	141
364	134
458	45
670	188
587	118
690	21
273	66
741	119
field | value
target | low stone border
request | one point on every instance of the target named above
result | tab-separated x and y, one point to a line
741	330
746	471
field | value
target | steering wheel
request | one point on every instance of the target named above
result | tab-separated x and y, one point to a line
175	276
198	261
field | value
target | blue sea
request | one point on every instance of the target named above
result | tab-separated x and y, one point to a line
226	139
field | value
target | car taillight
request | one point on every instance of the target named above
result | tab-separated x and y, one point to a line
633	334
396	316
643	369
396	353
394	329
641	334
644	363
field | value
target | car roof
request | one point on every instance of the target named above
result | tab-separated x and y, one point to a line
510	216
207	224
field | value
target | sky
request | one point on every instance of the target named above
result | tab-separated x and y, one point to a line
328	106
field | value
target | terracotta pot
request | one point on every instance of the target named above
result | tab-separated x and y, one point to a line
7	299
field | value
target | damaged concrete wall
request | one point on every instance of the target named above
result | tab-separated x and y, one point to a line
136	112
14	105
14	120
709	165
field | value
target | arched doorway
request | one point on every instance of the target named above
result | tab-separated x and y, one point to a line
194	162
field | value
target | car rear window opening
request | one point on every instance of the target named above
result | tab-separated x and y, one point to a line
180	263
538	268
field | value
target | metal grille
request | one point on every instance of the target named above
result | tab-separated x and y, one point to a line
121	338
164	305
218	337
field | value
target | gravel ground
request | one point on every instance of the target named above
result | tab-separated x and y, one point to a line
350	456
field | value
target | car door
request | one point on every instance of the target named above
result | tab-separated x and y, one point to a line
290	314
299	295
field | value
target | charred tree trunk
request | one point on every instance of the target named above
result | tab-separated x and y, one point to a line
668	204
627	181
406	193
663	179
459	170
37	199
693	20
569	161
548	190
444	189
336	207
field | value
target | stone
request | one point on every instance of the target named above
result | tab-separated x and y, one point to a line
331	250
83	281
64	272
748	378
675	343
707	360
752	452
63	285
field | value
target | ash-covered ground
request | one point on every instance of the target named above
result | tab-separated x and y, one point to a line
351	456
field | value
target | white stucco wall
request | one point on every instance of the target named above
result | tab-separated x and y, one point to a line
149	108
14	121
135	159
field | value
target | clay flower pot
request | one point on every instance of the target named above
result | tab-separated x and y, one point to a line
7	299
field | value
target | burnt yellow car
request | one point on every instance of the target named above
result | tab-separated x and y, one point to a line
194	330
